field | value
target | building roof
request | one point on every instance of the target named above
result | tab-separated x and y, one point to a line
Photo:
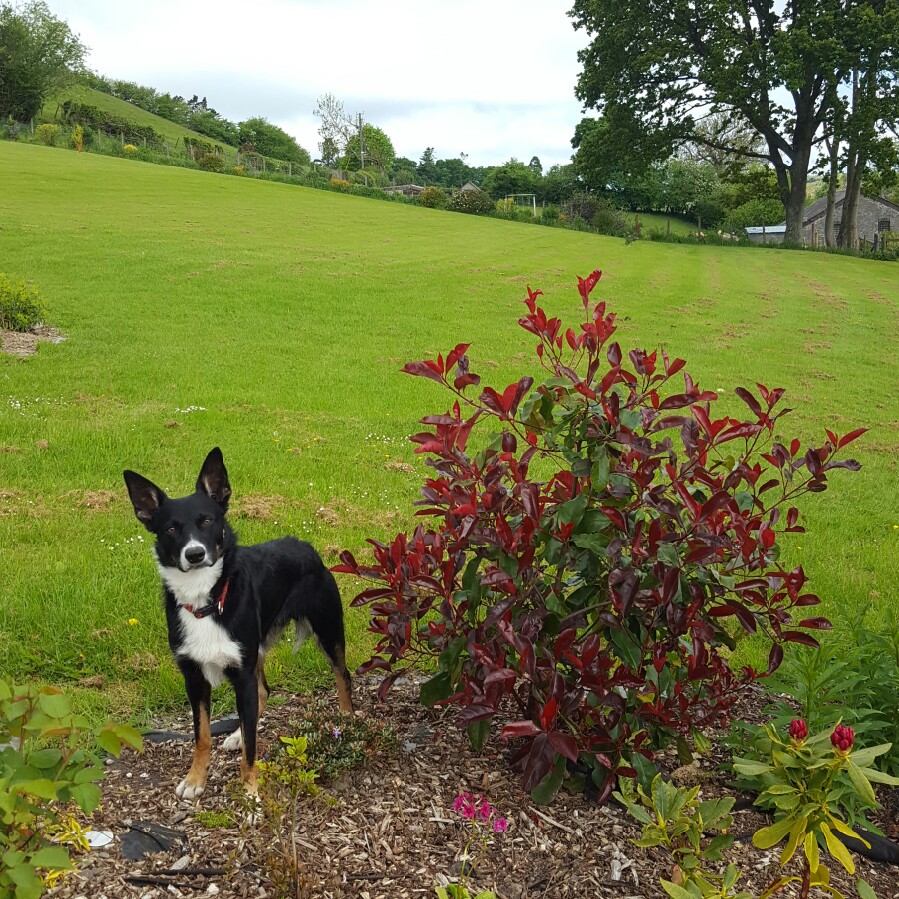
815	210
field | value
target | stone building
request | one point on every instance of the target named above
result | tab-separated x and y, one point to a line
875	217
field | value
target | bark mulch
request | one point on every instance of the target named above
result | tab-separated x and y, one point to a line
387	830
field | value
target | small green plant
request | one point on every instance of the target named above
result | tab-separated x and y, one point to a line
46	134
460	891
338	742
78	138
800	779
681	824
213	819
44	768
285	781
21	307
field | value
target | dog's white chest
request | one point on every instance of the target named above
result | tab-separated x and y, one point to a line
209	645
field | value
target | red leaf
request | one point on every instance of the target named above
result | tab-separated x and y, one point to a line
564	744
454	355
585	285
548	715
426	369
519	729
799	637
852	435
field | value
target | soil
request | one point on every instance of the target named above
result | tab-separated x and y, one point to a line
18	343
387	830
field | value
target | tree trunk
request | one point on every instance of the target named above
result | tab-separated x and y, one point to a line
830	238
850	208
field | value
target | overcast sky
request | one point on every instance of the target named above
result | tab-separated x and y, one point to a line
493	79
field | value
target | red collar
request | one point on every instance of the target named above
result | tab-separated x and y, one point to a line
210	607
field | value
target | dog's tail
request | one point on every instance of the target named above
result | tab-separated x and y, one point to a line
302	630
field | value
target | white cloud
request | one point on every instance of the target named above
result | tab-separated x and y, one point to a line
492	79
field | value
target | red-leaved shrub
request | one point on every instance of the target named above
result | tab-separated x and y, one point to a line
589	559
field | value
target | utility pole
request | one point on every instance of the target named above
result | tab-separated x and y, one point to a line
362	150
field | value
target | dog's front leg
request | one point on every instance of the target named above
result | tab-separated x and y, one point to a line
199	693
246	691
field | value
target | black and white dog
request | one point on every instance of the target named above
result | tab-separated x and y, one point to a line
226	607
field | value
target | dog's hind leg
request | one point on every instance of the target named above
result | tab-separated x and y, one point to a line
199	693
331	642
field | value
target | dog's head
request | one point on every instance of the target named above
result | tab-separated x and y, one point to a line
191	531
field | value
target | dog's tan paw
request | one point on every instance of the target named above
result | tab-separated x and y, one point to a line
189	790
233	741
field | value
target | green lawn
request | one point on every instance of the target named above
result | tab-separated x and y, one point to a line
169	130
273	320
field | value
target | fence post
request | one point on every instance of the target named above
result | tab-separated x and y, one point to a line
289	170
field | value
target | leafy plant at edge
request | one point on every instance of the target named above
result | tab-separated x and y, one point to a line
681	824
800	778
43	768
596	600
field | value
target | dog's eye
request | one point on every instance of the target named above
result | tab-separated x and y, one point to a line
170	530
205	522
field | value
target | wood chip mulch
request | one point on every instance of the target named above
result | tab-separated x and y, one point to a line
387	830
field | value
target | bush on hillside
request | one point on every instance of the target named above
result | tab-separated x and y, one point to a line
46	134
433	198
590	557
474	202
211	162
21	306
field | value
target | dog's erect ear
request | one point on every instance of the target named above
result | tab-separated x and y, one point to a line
213	479
146	497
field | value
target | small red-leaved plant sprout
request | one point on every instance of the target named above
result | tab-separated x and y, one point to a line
588	559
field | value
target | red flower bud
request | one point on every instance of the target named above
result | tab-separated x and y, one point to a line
842	738
798	730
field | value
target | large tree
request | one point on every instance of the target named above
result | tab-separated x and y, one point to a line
38	55
270	140
373	150
769	63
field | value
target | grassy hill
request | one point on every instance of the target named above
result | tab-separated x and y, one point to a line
272	321
83	94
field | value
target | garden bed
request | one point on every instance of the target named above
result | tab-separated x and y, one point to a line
388	829
24	343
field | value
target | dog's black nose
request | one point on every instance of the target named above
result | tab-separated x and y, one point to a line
195	555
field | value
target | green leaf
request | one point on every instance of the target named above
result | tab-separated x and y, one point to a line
751	768
435	689
667	553
596	543
477	734
87	796
128	735
599	475
44	758
41	787
879	777
837	849
810	847
109	741
772	835
860	782
56	705
572	511
54	857
676	891
546	790
864	889
864	757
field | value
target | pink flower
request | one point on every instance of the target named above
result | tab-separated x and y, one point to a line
798	730
842	738
468	810
485	810
500	825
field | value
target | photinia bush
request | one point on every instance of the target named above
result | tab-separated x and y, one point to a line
587	563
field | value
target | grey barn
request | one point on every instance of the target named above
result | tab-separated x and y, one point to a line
875	216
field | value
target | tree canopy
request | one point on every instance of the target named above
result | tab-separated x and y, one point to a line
38	55
775	67
270	140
